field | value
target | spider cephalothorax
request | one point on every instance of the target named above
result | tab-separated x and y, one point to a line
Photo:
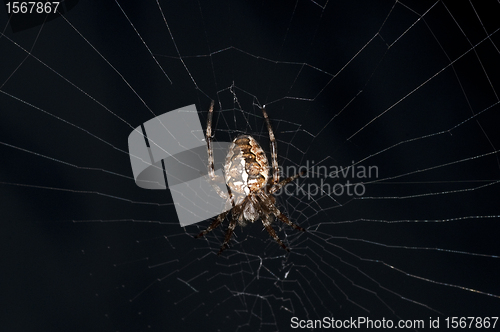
251	189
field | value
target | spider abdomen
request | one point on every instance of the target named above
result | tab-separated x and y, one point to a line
246	168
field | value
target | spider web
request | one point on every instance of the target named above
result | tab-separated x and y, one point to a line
407	87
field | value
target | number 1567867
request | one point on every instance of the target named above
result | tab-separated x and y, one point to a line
32	7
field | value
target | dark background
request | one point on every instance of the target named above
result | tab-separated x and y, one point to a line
81	243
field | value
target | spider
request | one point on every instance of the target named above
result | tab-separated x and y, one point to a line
246	175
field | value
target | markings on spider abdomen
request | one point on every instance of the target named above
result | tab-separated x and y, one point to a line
246	168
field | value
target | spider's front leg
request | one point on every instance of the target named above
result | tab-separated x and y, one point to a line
208	138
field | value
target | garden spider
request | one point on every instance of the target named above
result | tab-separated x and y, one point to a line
246	174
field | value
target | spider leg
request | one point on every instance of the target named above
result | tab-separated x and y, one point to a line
270	208
214	183
220	218
274	147
287	221
229	232
208	138
211	168
270	230
276	187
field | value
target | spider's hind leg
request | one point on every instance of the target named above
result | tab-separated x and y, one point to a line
274	187
230	230
287	221
270	230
